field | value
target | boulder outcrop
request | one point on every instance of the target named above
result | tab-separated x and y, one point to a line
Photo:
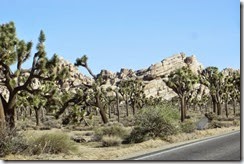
151	76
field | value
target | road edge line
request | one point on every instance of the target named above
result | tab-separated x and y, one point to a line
195	141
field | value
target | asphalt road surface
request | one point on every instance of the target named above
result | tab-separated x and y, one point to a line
225	147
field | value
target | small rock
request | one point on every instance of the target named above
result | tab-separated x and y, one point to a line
202	124
78	139
45	128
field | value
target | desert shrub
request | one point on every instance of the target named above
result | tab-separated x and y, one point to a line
214	124
108	141
225	119
115	129
11	142
188	126
236	122
220	124
211	116
25	125
137	135
52	124
238	114
128	121
52	143
155	121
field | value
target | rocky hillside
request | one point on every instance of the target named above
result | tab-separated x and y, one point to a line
154	85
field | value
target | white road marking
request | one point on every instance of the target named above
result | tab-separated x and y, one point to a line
184	146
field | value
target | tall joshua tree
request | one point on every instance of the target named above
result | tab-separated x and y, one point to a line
226	91
38	101
230	90
213	79
124	90
16	52
137	96
96	88
132	91
235	93
182	82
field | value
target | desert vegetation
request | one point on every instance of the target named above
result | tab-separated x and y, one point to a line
42	112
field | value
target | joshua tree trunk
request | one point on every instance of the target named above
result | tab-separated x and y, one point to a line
103	115
219	110
9	109
25	114
234	107
17	114
30	112
117	104
109	111
226	109
183	110
2	115
133	108
37	116
43	114
10	114
214	104
101	110
127	106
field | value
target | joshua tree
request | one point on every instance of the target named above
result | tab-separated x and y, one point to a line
235	93
124	90
202	102
114	97
38	101
182	82
227	86
138	97
117	103
97	93
213	79
16	52
230	90
132	91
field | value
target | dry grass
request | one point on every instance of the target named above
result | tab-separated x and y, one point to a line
108	141
92	151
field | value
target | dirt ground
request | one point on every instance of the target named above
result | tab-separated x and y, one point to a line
92	151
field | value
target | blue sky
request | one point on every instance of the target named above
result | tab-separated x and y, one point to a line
134	34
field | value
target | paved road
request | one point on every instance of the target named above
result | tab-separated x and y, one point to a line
226	147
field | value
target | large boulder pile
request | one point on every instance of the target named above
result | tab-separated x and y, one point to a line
75	77
154	85
151	76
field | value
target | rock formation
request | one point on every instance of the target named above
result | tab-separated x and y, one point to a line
151	76
154	85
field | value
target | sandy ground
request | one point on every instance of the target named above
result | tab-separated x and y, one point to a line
94	152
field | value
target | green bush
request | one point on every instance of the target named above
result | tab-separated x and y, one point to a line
236	122
155	121
137	135
188	126
115	129
11	142
108	141
214	124
52	143
211	116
